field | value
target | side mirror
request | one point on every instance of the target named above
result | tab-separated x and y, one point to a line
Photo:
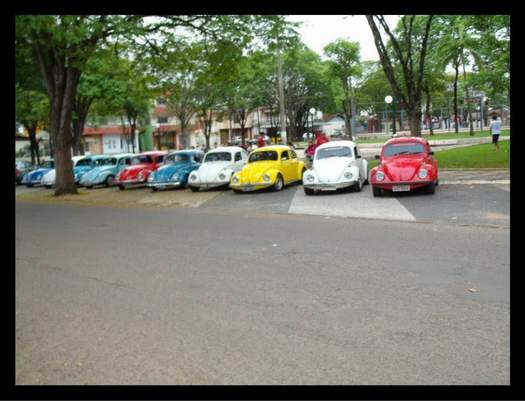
377	157
431	153
358	157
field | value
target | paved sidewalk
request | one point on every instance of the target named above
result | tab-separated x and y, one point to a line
474	176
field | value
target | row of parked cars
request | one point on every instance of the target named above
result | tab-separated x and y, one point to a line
404	164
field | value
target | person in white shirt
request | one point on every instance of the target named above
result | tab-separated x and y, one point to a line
495	129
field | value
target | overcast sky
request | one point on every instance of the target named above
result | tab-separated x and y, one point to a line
319	30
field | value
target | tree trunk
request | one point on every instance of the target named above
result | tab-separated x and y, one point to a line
467	95
427	109
33	143
414	120
456	125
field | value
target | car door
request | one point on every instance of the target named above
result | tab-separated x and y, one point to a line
286	166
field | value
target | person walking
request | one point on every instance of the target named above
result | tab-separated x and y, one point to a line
309	152
260	141
495	130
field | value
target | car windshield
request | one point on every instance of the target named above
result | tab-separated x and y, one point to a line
142	159
412	148
84	162
334	151
176	158
263	156
112	161
218	157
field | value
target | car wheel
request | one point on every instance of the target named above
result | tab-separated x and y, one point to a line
431	188
29	185
376	191
110	180
154	189
237	191
194	189
358	186
437	182
308	191
89	186
278	185
121	187
47	186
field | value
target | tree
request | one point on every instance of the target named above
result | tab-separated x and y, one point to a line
408	48
63	44
345	65
32	110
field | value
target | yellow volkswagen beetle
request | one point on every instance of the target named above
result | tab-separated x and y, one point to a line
269	166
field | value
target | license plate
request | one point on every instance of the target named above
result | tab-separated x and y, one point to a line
328	188
400	188
249	188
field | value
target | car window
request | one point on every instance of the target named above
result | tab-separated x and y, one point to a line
264	155
285	155
84	162
218	157
160	158
141	159
238	156
411	148
176	158
333	151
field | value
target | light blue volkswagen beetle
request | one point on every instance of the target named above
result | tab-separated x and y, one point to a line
106	172
176	169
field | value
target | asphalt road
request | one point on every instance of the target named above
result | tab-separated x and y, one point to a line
217	296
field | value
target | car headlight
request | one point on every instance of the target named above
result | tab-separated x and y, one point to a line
140	176
380	176
151	177
423	173
222	176
348	174
266	178
193	177
235	179
175	177
309	178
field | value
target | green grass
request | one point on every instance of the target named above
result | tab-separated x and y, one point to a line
476	156
452	135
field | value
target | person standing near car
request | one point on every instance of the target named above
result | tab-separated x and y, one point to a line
261	142
495	129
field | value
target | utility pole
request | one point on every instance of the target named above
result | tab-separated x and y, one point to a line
281	97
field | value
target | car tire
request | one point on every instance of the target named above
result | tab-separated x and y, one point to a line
194	189
154	189
121	187
237	191
48	186
109	181
431	188
279	183
308	191
437	182
376	191
358	187
89	186
29	185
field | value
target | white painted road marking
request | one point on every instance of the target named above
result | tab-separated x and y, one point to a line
472	182
350	204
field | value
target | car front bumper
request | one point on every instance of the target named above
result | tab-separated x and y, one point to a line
209	184
251	187
412	184
131	183
329	186
164	185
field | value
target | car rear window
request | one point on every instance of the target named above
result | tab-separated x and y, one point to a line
413	148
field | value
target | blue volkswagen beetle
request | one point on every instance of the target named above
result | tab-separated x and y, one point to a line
35	177
106	171
88	163
176	168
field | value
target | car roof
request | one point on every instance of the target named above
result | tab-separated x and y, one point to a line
120	155
336	143
186	152
273	147
153	153
96	157
226	149
406	139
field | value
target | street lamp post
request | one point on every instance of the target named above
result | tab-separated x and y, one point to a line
312	112
388	100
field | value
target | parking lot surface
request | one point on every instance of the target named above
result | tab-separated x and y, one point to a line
109	295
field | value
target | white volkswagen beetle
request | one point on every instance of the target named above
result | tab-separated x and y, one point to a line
336	165
218	167
48	180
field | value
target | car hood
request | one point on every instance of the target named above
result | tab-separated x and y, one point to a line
331	169
402	168
253	172
164	173
208	171
38	172
132	171
91	174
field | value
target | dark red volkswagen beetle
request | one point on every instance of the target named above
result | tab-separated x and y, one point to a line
405	164
141	166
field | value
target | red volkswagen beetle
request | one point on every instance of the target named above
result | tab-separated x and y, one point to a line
136	174
405	164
